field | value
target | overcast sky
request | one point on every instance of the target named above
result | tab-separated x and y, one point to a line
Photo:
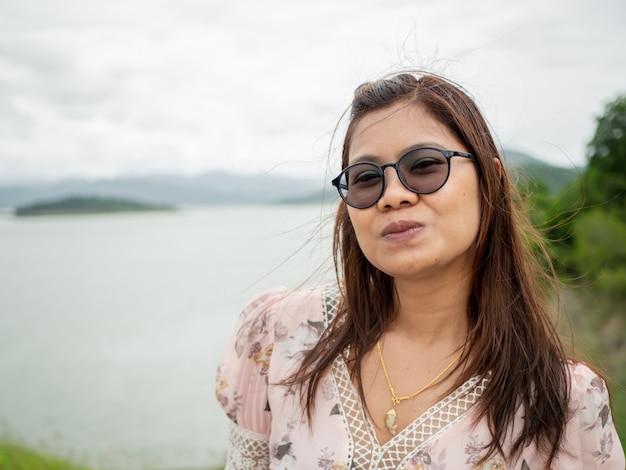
108	88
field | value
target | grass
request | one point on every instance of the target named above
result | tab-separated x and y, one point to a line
14	456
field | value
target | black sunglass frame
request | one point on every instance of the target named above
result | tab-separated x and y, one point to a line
448	154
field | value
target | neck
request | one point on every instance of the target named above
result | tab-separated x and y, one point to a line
433	310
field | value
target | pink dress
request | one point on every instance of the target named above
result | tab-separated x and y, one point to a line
269	428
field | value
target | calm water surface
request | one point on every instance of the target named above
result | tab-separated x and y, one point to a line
111	326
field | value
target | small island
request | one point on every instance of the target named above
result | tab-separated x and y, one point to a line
87	205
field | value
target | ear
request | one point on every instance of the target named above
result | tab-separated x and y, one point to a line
498	163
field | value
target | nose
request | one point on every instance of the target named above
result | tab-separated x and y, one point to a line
395	195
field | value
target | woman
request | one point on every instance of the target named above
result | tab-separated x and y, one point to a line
435	349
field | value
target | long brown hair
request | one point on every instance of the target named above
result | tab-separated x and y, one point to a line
514	341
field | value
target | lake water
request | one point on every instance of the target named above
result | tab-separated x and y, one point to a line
111	326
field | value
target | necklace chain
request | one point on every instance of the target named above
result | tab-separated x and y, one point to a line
391	415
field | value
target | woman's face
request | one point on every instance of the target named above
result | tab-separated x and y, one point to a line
408	235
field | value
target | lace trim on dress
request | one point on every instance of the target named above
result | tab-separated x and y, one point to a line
365	451
330	301
247	450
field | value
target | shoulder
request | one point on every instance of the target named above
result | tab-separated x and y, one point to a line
584	381
589	397
591	432
273	329
273	315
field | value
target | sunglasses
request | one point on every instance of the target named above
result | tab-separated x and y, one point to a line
422	170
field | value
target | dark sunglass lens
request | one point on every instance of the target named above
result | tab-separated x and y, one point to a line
361	185
424	170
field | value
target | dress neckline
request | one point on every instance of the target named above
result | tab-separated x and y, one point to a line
365	449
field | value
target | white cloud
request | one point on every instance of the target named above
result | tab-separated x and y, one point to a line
106	88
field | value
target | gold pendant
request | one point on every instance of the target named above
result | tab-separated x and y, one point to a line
390	421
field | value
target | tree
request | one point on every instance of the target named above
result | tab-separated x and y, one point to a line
600	251
601	189
605	177
600	232
586	224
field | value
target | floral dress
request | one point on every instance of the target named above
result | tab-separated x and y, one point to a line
269	428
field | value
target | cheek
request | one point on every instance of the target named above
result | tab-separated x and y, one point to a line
462	211
472	214
470	202
358	229
361	225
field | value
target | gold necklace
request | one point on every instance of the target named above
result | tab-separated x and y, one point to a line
391	416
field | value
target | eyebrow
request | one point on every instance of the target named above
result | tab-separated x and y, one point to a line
377	159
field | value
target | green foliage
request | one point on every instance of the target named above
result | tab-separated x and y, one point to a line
585	221
585	225
618	405
552	214
599	249
16	457
605	178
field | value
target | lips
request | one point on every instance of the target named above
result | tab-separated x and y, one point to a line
401	229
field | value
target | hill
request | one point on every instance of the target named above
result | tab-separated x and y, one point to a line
209	188
86	205
527	167
227	188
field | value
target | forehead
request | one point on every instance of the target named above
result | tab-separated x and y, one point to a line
387	133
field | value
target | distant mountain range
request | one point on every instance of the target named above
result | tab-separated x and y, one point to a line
208	188
221	187
523	165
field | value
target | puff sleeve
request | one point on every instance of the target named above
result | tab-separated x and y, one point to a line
242	382
591	432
